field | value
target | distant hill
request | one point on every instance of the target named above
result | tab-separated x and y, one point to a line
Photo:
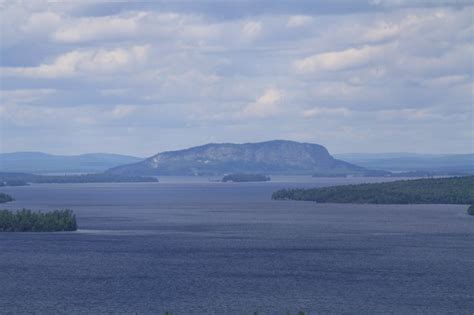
271	157
37	162
454	163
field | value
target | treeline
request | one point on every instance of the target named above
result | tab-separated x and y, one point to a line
453	190
5	198
245	178
25	178
363	173
13	182
29	221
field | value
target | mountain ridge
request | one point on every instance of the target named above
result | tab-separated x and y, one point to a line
40	162
271	157
436	163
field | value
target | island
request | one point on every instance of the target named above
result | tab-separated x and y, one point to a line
36	221
240	178
452	190
470	210
5	198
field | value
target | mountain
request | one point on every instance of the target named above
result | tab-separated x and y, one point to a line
37	162
272	157
437	164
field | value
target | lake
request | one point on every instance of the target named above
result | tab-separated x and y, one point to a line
190	246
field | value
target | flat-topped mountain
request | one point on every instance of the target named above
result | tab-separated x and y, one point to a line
271	157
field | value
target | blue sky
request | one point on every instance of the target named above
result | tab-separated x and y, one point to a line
143	77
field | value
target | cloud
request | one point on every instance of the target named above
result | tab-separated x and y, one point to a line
99	28
326	111
339	60
86	62
24	95
232	72
444	81
383	31
252	29
42	22
268	104
298	21
404	114
121	111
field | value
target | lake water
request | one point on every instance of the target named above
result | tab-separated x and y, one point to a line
191	246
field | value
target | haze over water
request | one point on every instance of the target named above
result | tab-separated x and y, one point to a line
190	246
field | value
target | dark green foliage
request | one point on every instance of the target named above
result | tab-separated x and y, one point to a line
245	178
29	221
359	173
93	178
470	210
453	190
5	198
66	179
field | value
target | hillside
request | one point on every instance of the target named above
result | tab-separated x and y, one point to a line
452	190
272	157
37	162
435	164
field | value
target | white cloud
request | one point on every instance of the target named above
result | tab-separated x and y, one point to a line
298	20
326	111
404	114
382	31
121	111
339	60
97	28
81	62
448	80
268	104
252	29
42	22
24	95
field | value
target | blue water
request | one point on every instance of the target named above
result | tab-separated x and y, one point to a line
191	246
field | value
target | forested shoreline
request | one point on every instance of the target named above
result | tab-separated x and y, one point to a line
453	190
239	178
26	220
5	198
20	179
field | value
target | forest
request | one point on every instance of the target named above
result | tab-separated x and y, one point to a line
245	178
19	179
5	198
452	190
26	220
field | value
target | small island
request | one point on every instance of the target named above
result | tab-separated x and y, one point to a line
470	210
5	198
452	190
241	178
36	221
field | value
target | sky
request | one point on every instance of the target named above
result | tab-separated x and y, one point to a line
139	78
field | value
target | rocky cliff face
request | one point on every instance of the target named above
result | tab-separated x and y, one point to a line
272	157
